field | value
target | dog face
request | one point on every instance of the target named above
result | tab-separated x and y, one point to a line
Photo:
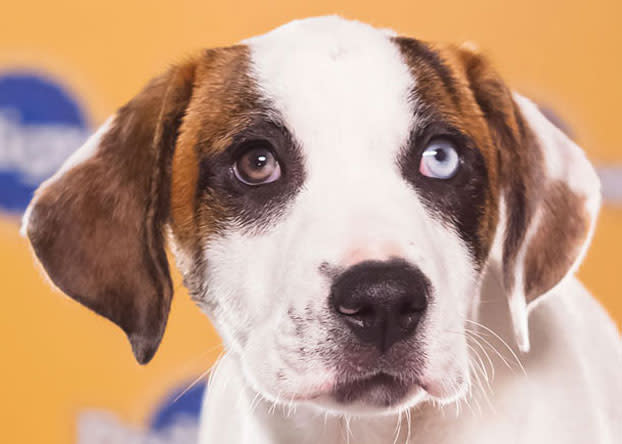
333	195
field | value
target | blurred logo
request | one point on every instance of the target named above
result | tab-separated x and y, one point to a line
40	126
175	421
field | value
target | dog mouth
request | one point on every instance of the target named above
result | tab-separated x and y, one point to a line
380	389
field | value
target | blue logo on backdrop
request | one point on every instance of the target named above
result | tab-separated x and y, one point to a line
175	421
182	405
40	126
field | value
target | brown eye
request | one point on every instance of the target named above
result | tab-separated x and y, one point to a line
257	166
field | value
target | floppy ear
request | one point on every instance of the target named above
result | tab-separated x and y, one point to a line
547	237
97	225
549	194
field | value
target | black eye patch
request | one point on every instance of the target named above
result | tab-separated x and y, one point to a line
254	207
459	200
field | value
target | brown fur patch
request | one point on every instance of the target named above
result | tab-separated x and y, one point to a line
97	229
552	250
223	103
518	156
443	86
515	158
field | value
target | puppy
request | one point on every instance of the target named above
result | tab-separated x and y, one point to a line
367	219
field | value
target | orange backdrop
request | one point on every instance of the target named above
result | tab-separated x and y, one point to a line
58	358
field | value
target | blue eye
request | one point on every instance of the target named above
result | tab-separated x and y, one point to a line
440	160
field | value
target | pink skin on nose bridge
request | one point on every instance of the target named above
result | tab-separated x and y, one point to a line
367	251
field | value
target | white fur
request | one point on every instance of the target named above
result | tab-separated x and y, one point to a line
342	89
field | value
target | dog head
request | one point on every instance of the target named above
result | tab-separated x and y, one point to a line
333	195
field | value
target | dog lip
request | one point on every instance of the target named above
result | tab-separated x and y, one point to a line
379	388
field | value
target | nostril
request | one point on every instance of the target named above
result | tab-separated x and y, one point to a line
408	313
362	318
408	308
347	311
362	315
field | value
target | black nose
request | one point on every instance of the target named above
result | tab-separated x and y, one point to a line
381	302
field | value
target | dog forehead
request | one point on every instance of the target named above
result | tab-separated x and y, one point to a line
335	83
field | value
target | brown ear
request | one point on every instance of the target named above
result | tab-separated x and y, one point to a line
549	193
97	225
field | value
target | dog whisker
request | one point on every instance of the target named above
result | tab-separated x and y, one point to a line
398	427
518	361
486	392
476	340
492	347
409	425
480	362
